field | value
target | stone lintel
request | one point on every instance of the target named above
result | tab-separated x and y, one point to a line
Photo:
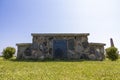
60	34
97	44
23	44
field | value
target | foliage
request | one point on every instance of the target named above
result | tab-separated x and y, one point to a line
112	53
59	70
8	52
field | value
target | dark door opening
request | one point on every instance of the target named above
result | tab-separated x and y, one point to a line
60	49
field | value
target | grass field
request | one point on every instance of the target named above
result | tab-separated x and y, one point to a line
59	70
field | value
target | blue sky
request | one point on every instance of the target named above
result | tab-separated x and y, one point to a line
20	18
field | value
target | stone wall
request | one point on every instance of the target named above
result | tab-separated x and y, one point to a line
74	46
77	45
96	51
23	48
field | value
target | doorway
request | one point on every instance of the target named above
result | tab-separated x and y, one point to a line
60	49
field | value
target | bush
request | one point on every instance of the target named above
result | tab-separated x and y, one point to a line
112	53
8	52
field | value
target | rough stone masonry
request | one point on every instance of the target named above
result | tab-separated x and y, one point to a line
60	46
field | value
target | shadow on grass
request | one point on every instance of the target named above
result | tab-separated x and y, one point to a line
46	60
50	60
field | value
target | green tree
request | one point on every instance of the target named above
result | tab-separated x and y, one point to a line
112	53
8	52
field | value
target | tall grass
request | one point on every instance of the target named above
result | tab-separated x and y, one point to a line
59	70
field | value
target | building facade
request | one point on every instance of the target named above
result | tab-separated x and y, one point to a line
60	46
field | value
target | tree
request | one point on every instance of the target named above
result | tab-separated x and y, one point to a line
112	53
8	52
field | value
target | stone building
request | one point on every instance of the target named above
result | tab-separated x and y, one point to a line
60	46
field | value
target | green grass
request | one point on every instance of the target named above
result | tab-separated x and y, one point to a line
59	70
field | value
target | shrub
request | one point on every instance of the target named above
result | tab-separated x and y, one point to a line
8	52
112	53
